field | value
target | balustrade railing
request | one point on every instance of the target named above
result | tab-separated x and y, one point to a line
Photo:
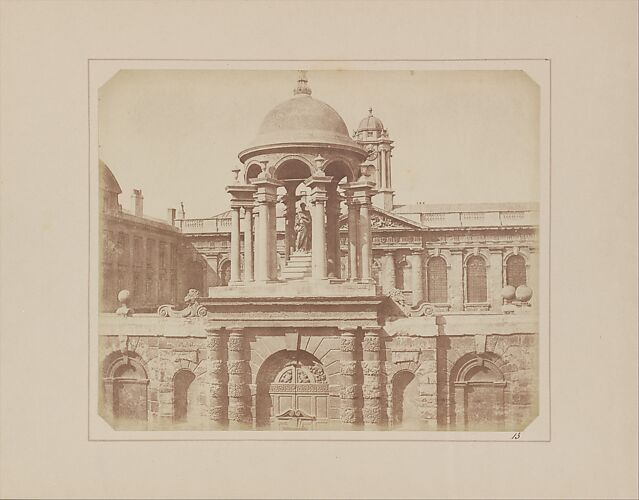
197	226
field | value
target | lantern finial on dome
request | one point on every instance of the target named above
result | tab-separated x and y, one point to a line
302	84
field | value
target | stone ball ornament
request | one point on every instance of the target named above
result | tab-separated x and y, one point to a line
523	293
508	292
124	296
124	310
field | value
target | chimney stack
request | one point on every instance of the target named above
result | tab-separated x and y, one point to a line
137	206
171	216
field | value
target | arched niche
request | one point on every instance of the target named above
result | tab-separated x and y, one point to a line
405	399
183	396
478	396
125	390
224	272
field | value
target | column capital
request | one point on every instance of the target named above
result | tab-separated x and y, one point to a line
359	189
318	181
265	188
241	194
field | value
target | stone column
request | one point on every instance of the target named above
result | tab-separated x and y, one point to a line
289	214
318	184
218	398
266	241
388	278
495	278
353	240
248	244
456	280
371	367
359	193
241	197
366	247
235	245
333	250
239	409
348	372
417	276
257	271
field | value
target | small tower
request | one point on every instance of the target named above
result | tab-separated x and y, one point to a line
373	137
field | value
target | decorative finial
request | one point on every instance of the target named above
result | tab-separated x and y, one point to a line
264	173
302	84
370	111
320	164
236	175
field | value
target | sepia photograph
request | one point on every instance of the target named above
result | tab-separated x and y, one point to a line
319	250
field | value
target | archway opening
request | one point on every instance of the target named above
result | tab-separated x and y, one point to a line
252	172
293	170
182	382
292	392
405	393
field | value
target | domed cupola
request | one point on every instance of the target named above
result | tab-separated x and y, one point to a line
373	137
302	122
369	128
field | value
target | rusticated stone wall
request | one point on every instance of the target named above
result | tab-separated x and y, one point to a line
348	379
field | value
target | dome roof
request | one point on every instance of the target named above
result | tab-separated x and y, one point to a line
370	123
108	182
303	119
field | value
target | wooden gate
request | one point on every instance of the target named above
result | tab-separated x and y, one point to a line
299	396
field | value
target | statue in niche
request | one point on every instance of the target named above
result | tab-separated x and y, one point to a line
303	230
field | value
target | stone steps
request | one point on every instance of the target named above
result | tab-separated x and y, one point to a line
298	267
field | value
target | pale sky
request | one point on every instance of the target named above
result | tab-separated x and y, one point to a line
460	136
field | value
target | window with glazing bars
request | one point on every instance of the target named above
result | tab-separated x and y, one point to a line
476	279
437	280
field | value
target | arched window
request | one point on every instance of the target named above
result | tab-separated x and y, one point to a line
437	280
476	280
516	271
225	273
